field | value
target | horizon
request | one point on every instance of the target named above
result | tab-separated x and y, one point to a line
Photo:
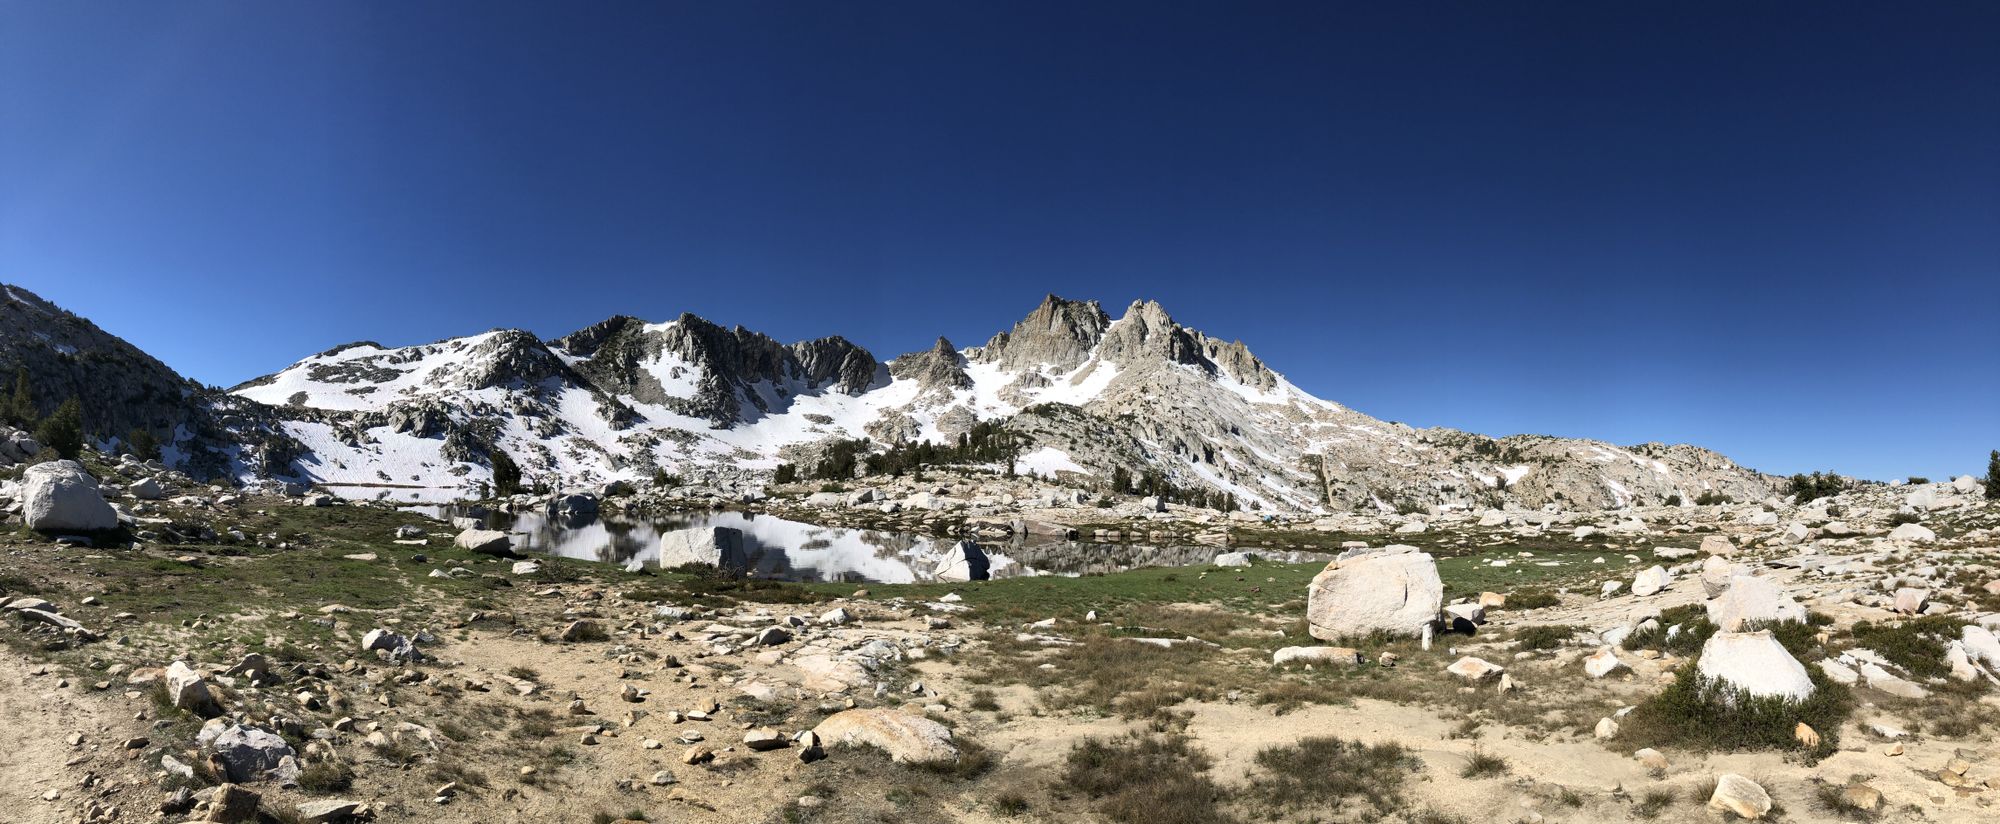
1630	225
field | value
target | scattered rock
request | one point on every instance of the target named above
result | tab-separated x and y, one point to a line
1739	795
906	738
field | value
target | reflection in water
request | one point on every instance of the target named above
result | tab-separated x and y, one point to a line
791	551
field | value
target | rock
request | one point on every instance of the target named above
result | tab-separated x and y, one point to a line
526	568
1756	663
1394	591
327	811
717	546
1915	533
249	753
1233	559
1739	795
1751	598
60	495
1981	646
810	749
1805	735
771	637
962	561
1602	663
484	541
1862	797
1878	678
189	691
663	778
697	754
233	804
1650	581
1718	545
407	532
908	739
582	630
1345	656
836	616
1475	669
146	489
1652	759
1152	504
1607	728
1465	618
1911	601
765	738
1492	600
1715	575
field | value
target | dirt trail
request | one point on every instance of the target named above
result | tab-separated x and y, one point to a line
35	755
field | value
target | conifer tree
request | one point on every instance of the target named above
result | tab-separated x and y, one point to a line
63	430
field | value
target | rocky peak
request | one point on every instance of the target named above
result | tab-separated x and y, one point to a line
937	368
1061	333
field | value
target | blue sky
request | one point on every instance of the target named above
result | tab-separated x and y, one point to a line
1771	229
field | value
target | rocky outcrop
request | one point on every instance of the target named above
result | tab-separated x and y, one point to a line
906	738
1755	663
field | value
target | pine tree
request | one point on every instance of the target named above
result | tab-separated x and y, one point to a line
1121	480
786	473
506	474
63	430
1993	476
143	445
20	407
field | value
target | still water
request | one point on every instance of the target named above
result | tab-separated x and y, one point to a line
792	551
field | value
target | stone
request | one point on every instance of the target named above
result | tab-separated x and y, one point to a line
1233	559
60	495
1492	600
1651	581
1981	646
1715	575
1914	533
484	541
1602	663
1878	678
1345	656
189	691
330	810
1910	601
1862	797
1839	673
962	561
1475	669
1805	735
1652	759
836	616
146	489
1739	795
1607	728
717	546
697	754
582	630
765	738
1718	545
232	803
908	739
249	753
1752	598
1756	663
1395	591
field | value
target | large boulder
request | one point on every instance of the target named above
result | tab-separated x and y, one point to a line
1651	581
963	561
1756	663
59	495
1395	591
1750	598
716	546
1915	533
485	542
147	489
908	739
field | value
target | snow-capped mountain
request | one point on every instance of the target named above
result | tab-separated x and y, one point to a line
625	399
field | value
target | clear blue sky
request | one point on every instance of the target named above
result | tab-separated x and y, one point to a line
1772	229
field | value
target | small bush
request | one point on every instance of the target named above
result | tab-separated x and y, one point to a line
1917	644
1324	771
1532	599
1902	518
1010	803
1653	803
984	700
1483	764
1141	779
1705	714
324	777
1544	637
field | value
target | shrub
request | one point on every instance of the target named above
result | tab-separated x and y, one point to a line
324	777
1917	644
1482	764
1918	479
1901	518
1324	771
1143	779
1532	599
62	431
1544	637
1706	714
1711	498
1817	485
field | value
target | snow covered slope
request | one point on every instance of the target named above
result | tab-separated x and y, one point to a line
625	399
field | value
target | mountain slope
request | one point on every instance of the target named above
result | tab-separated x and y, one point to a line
625	399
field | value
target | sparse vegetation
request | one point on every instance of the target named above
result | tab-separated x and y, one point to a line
1146	779
1323	773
